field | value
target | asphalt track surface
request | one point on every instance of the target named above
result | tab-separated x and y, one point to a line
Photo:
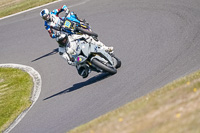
157	42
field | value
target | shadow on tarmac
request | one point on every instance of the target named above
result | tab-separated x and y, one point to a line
81	84
55	51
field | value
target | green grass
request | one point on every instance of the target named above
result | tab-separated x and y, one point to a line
8	7
15	92
171	109
15	85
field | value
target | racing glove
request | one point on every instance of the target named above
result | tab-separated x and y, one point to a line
64	7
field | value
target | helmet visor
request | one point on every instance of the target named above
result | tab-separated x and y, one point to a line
46	17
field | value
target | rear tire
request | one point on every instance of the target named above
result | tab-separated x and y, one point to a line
84	31
105	68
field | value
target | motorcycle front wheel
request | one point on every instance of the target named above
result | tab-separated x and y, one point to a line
105	67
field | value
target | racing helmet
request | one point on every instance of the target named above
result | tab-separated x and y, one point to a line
62	40
45	14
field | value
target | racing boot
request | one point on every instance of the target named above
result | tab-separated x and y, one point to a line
100	44
107	49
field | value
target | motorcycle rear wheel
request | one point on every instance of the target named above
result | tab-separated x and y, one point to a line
84	31
104	67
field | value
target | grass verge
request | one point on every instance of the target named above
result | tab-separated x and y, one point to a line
171	109
8	7
15	92
15	85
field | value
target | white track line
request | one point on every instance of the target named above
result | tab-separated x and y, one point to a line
35	92
78	4
33	73
81	3
30	9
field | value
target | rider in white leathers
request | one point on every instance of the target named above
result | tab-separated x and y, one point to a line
67	48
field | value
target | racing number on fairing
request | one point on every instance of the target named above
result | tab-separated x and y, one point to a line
67	24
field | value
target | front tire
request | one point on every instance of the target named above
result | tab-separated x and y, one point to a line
104	67
117	61
118	65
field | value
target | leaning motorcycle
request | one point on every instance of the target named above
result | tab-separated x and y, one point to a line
95	58
72	25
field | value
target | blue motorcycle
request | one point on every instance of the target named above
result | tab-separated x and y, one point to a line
72	25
